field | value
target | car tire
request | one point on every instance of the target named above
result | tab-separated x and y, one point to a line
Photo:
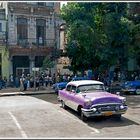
63	104
138	91
83	117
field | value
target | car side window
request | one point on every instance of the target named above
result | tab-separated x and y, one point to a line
77	90
68	88
73	88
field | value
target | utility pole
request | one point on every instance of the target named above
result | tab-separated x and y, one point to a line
55	46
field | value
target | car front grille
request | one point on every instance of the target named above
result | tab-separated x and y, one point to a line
107	107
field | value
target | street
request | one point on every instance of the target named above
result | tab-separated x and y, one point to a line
41	116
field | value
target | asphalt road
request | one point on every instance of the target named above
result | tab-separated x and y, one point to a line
41	116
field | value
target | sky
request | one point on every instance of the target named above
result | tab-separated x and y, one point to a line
63	2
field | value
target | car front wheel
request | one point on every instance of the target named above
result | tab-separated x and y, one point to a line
83	117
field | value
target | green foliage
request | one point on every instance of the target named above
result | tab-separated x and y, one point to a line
96	33
134	50
47	63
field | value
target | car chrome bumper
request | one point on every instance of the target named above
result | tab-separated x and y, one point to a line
128	90
92	113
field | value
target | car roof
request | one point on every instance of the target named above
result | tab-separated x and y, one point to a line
79	78
84	82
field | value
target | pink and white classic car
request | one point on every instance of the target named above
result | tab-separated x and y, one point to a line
89	98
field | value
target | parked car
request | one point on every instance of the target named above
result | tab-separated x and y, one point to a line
62	85
79	78
131	87
59	85
89	98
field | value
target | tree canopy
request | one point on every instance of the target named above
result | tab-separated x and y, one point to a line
97	34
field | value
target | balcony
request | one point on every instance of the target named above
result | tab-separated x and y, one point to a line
32	42
32	47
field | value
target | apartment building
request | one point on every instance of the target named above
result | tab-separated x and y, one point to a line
33	34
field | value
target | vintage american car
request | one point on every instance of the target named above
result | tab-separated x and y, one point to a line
61	85
131	87
89	98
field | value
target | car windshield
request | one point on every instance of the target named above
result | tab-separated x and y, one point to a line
91	87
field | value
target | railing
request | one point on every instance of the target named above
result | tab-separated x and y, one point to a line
29	42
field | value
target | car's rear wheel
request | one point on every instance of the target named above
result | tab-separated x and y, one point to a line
63	104
138	91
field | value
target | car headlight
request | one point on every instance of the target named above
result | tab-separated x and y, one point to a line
121	107
88	103
94	109
124	100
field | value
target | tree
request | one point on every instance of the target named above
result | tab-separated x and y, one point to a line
81	35
97	33
134	17
47	64
117	30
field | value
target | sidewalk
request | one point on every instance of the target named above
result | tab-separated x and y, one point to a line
30	91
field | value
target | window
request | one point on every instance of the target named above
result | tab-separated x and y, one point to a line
68	88
22	28
40	31
50	4
41	3
73	88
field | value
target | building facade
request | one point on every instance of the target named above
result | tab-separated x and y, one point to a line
32	34
3	48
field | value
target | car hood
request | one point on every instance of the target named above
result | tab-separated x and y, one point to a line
102	97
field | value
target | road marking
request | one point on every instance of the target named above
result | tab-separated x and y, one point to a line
94	130
18	125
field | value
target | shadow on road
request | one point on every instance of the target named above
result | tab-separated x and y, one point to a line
133	101
102	121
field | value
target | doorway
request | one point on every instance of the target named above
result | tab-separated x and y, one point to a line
20	71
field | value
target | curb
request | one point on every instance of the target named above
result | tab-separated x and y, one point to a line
25	93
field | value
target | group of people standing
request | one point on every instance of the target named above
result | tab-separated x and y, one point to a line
28	81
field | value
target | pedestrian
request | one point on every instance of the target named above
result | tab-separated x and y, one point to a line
50	80
37	82
31	82
21	84
46	80
53	79
11	79
25	82
17	83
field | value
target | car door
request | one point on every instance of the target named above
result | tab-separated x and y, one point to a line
70	91
67	96
74	98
